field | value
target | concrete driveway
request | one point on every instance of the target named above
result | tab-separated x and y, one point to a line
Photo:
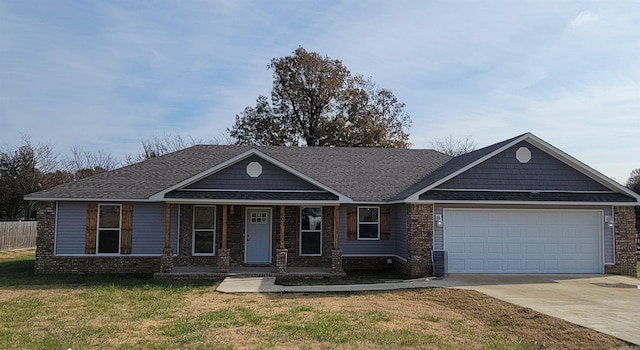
609	304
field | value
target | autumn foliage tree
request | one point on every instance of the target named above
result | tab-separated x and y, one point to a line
317	101
633	183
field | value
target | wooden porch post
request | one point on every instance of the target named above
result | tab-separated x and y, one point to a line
224	226
282	227
336	253
336	227
167	225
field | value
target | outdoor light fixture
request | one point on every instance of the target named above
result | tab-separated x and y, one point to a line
439	220
609	220
231	210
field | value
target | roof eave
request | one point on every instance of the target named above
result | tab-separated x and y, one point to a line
547	203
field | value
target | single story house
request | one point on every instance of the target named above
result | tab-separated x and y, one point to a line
517	206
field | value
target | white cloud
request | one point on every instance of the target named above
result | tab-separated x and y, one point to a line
583	19
108	75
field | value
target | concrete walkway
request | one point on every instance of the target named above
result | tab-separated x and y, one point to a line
605	303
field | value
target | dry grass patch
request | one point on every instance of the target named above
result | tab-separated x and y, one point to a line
140	314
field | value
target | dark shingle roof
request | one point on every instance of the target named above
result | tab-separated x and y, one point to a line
362	174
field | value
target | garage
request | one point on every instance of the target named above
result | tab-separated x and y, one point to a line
523	241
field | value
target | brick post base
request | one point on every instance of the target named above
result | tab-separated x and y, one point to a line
224	260
336	263
166	260
281	260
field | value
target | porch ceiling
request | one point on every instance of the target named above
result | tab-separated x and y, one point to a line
253	195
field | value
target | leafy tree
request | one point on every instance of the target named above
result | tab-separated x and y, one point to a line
317	101
454	146
633	183
23	171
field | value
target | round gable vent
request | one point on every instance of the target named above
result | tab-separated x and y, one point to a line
523	155
254	169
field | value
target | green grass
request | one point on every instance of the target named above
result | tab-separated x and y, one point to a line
136	312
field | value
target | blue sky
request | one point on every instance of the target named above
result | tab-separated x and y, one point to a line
105	75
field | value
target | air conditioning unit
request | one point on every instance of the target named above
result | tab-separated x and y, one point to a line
439	259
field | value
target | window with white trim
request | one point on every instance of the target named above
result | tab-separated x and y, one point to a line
368	223
204	233
311	231
109	224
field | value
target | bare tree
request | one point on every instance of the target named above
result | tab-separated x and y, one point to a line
170	142
454	146
82	164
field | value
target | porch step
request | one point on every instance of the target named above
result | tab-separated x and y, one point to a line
211	272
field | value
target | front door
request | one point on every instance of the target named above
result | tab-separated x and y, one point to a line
258	236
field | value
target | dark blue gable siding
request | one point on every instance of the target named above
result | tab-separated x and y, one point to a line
235	177
504	172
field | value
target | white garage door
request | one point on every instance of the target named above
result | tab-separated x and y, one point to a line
523	241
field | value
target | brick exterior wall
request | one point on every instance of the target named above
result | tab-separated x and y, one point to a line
366	263
45	239
625	238
47	263
420	239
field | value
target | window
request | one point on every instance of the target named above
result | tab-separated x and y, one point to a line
204	220
311	231
108	229
368	223
259	217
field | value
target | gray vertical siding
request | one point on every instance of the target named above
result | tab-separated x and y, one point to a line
609	240
71	228
235	178
438	232
505	172
148	228
399	230
147	236
357	247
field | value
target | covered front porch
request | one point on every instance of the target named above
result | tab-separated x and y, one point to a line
245	239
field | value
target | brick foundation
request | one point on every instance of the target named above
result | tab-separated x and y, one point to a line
625	238
366	263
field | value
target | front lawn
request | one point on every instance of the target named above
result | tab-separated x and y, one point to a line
47	312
